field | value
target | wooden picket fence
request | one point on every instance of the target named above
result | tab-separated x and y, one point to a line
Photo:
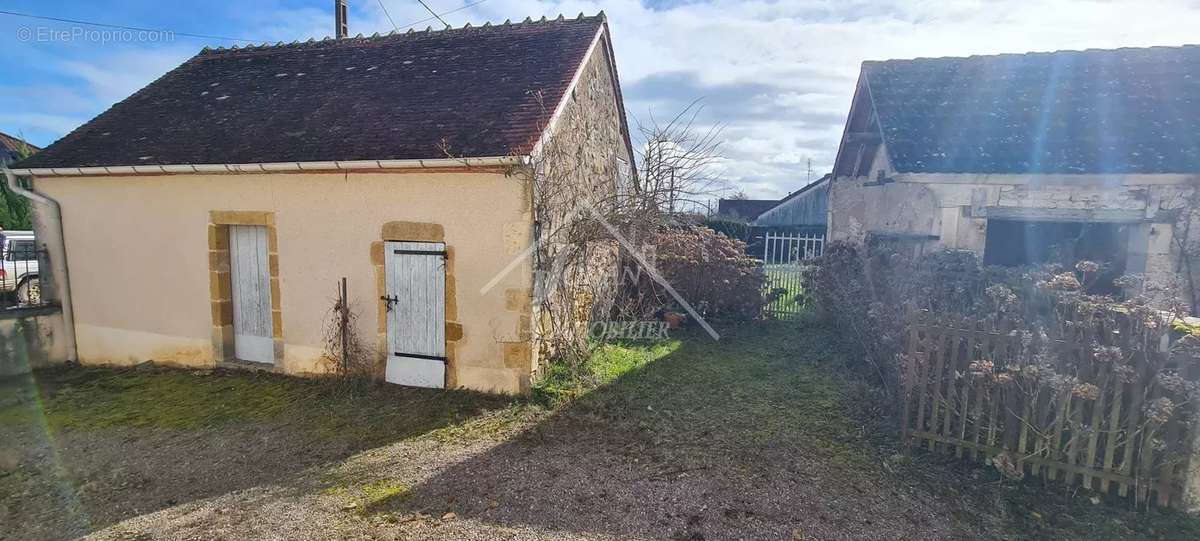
957	402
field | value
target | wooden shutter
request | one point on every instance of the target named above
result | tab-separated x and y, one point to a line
416	317
251	279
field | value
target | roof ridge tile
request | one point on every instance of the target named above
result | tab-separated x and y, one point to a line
1092	50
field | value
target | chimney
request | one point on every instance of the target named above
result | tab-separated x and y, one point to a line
341	29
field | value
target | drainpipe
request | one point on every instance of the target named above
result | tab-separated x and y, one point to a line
51	225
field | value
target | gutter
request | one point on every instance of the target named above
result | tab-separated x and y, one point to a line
274	167
51	224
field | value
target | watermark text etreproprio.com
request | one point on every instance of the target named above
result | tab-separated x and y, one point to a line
47	34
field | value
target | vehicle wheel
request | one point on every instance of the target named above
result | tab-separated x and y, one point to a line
29	291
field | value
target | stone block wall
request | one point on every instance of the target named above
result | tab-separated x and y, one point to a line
952	210
1075	198
585	159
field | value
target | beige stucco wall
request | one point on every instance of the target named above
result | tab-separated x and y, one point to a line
139	269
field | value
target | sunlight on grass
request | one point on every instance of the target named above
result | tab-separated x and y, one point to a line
765	384
370	497
563	382
612	361
560	386
493	425
765	394
760	384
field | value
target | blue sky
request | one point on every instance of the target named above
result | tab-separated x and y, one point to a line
777	75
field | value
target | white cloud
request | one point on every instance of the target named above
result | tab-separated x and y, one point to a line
44	111
778	74
36	127
112	78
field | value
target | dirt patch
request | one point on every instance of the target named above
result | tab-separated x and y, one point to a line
756	436
85	448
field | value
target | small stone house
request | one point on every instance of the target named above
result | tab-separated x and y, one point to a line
1019	157
208	218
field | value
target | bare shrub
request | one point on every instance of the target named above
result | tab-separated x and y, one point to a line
678	164
585	209
709	270
349	362
1186	241
1070	347
874	293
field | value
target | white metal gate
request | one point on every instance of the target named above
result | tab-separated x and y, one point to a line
416	313
250	277
784	257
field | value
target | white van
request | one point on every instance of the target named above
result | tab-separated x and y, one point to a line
19	270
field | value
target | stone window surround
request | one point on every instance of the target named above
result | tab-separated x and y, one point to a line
221	287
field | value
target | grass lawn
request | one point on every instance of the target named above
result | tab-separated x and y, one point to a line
184	400
758	435
787	283
85	447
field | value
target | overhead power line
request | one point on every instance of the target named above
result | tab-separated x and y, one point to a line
388	15
124	27
435	15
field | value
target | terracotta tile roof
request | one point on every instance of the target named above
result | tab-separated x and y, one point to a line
1094	111
482	91
11	147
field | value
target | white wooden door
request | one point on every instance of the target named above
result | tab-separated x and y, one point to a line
251	278
416	316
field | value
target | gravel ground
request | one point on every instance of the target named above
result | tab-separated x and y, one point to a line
92	479
553	488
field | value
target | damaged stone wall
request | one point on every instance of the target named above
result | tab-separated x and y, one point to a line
952	210
1116	197
582	161
859	209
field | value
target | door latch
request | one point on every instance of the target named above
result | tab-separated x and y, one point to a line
390	301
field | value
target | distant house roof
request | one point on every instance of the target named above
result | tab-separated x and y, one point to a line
806	207
473	92
12	148
1094	111
748	209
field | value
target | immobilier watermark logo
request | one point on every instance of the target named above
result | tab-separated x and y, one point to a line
634	330
628	330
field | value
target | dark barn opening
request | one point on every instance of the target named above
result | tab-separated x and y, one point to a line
1012	243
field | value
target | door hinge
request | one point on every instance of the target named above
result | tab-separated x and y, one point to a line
440	253
420	356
